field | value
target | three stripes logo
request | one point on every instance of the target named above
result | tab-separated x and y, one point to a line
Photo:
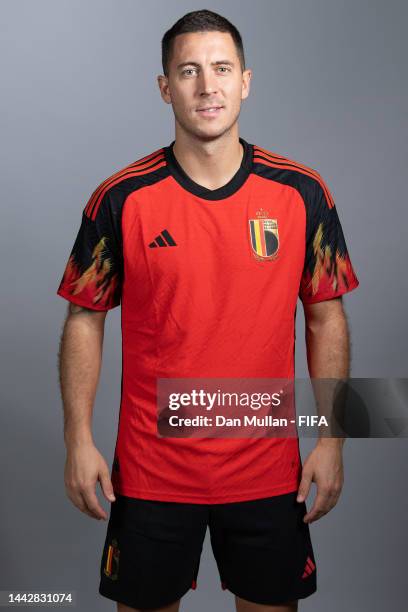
164	239
309	568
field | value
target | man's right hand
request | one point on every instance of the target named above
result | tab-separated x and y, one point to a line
83	468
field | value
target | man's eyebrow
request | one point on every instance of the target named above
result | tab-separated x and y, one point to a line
228	62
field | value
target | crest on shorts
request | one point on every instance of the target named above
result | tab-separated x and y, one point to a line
264	237
112	560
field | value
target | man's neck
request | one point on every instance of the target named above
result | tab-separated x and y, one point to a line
211	164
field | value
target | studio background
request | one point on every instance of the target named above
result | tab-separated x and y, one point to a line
79	101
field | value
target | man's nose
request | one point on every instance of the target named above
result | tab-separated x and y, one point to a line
207	82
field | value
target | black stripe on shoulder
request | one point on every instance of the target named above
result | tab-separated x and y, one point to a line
116	196
129	180
108	216
305	185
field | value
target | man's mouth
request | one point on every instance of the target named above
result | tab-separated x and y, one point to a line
210	110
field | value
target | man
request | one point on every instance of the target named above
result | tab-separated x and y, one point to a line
207	243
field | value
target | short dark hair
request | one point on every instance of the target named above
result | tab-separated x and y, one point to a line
199	21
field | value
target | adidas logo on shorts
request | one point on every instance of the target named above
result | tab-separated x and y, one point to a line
309	568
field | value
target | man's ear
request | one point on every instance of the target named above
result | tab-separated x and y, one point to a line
246	78
163	83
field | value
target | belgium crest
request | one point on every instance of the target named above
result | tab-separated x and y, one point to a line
264	237
112	560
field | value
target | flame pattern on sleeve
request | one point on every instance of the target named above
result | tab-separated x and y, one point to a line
328	271
95	286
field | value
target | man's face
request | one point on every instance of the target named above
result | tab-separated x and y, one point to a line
205	72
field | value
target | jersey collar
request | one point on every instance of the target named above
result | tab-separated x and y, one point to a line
221	193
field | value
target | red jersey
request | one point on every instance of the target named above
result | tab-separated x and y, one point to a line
208	282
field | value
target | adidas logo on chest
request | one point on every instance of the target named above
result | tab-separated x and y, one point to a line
164	239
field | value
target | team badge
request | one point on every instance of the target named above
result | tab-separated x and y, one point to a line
264	237
112	560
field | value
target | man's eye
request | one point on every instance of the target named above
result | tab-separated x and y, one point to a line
188	70
226	68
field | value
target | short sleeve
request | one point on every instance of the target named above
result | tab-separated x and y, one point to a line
93	274
327	272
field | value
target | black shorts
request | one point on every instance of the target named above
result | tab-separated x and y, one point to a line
152	550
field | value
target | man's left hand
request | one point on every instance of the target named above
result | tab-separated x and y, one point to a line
323	466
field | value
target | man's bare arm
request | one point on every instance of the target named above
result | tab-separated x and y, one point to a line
328	357
327	339
80	360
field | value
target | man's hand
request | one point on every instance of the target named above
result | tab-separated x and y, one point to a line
80	361
328	357
83	468
324	466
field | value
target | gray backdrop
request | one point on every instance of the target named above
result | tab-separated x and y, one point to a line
80	101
